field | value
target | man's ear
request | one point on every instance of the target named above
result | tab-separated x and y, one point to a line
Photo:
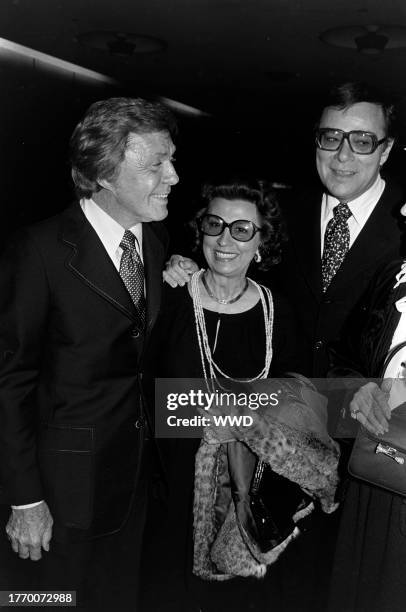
386	151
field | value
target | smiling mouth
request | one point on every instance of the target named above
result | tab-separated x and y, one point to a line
163	196
222	255
343	173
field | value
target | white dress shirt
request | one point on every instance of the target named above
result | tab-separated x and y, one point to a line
110	233
361	208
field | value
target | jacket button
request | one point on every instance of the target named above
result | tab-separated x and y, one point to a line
139	423
135	333
318	344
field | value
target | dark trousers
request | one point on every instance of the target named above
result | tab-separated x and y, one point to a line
103	571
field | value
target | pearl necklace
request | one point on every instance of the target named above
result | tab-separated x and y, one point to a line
224	302
213	370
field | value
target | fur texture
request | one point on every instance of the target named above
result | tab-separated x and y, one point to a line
223	549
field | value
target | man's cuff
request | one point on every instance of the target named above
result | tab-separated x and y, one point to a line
26	506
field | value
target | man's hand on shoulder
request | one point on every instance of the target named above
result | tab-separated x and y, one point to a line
29	530
178	270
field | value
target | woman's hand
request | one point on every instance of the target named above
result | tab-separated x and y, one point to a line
369	406
178	270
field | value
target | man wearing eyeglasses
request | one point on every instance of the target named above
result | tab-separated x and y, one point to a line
341	236
338	238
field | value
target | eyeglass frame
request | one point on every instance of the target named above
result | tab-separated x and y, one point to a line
346	136
229	225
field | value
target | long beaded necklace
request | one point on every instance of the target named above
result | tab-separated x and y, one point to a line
213	370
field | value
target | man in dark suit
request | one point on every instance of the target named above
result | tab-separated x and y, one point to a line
79	295
338	237
331	257
354	137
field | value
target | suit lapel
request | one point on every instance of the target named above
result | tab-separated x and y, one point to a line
90	262
304	233
372	240
153	253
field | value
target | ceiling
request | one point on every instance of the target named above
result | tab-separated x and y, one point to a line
226	57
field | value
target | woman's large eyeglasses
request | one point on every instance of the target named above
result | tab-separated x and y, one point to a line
241	230
362	143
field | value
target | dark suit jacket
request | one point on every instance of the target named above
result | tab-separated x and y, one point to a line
72	418
322	316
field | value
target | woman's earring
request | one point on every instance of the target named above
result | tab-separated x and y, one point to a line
257	256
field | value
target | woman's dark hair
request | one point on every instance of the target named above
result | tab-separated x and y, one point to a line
100	140
262	195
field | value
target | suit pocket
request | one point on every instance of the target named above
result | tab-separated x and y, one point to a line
66	458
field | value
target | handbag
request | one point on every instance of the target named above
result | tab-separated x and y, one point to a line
274	502
381	460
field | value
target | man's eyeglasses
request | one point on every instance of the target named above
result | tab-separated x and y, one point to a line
362	143
241	230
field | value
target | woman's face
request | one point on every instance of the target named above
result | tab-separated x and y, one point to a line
225	255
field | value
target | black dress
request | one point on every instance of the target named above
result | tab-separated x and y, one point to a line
240	352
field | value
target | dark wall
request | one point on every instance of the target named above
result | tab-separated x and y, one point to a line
39	108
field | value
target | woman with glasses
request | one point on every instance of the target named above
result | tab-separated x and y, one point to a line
245	325
224	326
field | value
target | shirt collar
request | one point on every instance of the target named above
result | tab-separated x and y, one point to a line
360	207
109	231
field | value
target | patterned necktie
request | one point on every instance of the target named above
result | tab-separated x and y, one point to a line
132	273
336	243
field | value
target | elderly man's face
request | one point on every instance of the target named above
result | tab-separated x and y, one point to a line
140	191
347	175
